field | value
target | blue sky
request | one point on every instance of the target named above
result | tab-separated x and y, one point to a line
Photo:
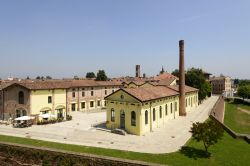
65	38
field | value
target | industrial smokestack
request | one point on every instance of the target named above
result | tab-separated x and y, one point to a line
182	104
137	71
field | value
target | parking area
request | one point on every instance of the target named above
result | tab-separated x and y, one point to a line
80	130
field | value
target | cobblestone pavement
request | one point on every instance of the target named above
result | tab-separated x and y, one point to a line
168	138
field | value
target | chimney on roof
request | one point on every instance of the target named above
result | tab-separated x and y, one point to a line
137	71
182	104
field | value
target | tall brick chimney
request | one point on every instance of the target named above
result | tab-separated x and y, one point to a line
182	100
137	71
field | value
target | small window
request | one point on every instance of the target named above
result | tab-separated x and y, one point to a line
105	92
73	94
133	118
83	105
186	102
160	112
122	97
92	93
113	91
112	115
83	94
91	103
146	117
99	103
49	99
153	114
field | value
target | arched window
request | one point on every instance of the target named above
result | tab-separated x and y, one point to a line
133	118
171	108
112	115
21	97
153	114
146	117
175	106
160	112
166	109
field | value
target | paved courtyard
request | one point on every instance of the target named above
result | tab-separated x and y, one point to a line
165	139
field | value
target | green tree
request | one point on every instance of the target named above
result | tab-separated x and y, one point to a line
236	81
244	91
175	73
76	78
208	132
101	76
195	78
48	77
90	75
38	77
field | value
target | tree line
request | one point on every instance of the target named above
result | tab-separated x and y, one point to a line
194	77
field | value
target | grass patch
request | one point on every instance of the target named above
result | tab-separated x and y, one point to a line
227	151
237	120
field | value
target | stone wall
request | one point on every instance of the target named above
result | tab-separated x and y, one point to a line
27	155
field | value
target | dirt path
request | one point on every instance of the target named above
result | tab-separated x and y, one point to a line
243	110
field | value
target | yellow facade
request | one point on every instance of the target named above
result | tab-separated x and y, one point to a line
40	102
159	111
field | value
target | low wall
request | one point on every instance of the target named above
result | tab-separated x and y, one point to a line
30	155
216	115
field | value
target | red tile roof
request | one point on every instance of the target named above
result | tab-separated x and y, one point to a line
150	93
58	84
187	88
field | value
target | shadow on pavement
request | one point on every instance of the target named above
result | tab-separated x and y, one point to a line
194	153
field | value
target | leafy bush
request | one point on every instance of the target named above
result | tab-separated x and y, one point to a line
68	117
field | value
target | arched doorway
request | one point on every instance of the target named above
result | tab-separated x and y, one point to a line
60	112
21	112
122	119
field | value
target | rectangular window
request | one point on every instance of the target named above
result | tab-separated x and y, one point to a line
49	99
83	105
83	94
73	94
73	107
105	92
91	104
92	93
99	103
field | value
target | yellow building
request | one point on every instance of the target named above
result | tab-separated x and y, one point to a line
34	98
141	110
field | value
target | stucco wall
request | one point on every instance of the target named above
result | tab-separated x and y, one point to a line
39	100
99	94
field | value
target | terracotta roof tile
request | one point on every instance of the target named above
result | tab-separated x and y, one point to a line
150	93
187	88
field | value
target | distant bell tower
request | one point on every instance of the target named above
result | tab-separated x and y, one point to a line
137	71
162	70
